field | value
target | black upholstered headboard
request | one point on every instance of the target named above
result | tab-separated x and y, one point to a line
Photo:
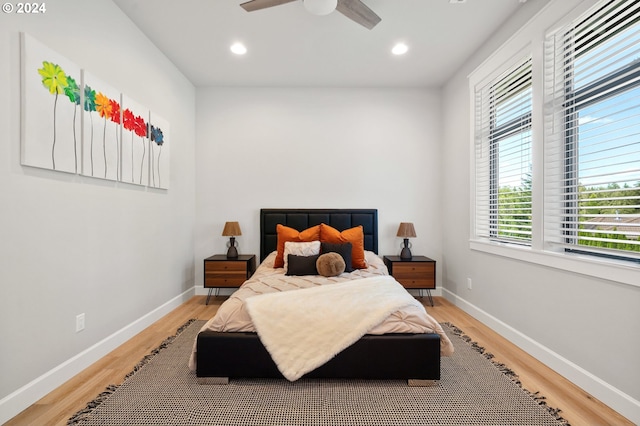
301	219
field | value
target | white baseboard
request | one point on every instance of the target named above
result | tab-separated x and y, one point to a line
17	401
611	396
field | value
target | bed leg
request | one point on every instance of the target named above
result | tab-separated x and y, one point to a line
213	380
421	382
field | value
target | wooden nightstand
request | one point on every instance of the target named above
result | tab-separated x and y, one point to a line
220	272
417	273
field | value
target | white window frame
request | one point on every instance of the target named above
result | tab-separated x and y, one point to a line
530	38
566	210
490	136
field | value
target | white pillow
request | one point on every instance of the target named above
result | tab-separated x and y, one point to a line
299	249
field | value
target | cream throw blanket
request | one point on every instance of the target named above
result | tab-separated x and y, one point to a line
303	329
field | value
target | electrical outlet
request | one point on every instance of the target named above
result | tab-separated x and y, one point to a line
79	322
469	283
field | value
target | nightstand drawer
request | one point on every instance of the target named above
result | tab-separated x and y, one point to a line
415	275
418	273
412	269
226	267
416	282
224	274
218	280
219	271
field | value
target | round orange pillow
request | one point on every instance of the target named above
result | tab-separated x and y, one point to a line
330	264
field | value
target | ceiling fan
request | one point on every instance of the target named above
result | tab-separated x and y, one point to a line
352	9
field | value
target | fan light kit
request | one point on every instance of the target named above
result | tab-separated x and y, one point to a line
355	10
320	7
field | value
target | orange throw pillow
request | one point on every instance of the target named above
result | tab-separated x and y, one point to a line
355	236
286	233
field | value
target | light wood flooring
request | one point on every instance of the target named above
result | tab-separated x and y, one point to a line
577	406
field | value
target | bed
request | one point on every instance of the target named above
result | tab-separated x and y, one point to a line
407	345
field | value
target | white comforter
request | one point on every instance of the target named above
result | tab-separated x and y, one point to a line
303	329
234	316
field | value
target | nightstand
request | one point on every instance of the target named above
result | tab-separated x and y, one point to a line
417	273
221	272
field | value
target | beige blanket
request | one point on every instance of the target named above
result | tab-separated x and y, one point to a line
233	316
303	329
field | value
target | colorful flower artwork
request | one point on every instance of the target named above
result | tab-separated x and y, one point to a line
51	110
102	130
135	142
74	122
159	152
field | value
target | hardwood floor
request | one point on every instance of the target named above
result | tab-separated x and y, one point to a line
577	406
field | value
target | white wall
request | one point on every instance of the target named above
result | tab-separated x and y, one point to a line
317	148
585	328
71	244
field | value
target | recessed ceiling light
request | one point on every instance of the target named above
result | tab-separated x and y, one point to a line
400	49
238	48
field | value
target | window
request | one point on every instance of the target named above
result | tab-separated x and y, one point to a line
502	143
556	142
592	133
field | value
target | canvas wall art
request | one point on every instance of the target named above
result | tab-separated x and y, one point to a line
159	151
73	121
51	112
101	129
135	142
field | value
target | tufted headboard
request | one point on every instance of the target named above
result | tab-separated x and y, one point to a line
301	219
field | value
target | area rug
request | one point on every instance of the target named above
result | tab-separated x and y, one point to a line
473	390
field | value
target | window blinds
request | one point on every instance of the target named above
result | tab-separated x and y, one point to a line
592	132
503	156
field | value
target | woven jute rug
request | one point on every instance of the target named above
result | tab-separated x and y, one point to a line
473	390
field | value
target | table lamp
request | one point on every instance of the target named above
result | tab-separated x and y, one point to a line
232	229
406	231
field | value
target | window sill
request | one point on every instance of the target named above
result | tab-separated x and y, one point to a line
610	270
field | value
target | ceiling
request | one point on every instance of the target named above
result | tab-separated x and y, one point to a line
288	46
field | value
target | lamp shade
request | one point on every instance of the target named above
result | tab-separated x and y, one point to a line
406	230
231	229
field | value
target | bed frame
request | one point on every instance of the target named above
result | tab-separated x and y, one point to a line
412	357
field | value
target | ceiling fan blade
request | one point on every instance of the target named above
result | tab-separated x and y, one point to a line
358	12
252	5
